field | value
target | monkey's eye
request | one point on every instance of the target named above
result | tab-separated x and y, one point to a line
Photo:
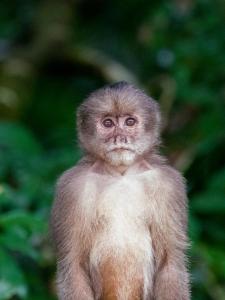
130	121
108	123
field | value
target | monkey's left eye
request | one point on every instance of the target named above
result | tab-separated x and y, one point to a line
130	121
108	123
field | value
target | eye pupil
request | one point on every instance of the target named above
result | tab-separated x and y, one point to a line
108	123
130	121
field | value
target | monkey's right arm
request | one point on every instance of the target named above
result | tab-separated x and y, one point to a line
73	282
169	237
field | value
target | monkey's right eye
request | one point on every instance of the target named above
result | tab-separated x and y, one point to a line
108	123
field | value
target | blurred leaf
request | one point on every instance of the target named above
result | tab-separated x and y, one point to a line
17	240
12	281
19	140
7	195
213	199
194	228
21	218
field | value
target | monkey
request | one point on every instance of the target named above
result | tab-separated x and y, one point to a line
119	218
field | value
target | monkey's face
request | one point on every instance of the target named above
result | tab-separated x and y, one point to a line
119	138
118	124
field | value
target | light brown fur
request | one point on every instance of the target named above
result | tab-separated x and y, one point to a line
119	219
114	273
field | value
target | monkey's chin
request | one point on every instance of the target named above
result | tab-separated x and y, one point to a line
121	157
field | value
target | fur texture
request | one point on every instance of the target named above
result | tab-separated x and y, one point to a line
119	219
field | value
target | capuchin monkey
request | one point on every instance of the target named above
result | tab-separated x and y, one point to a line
119	219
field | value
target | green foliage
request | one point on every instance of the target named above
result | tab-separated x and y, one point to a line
53	54
28	175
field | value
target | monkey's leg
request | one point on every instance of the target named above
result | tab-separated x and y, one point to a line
120	281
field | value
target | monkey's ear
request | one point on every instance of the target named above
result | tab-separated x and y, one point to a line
154	113
82	117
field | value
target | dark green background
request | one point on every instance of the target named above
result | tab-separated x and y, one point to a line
53	54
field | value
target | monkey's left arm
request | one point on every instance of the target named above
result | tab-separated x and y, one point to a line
172	280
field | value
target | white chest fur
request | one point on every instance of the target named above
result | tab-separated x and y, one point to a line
120	210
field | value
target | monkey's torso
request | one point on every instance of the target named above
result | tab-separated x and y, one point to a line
122	229
122	249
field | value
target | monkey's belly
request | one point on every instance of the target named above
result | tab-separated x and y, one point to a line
123	257
124	263
121	279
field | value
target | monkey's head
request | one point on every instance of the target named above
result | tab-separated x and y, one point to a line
118	124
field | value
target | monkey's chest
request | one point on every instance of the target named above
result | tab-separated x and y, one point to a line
122	201
121	215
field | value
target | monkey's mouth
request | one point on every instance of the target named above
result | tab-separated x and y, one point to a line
121	149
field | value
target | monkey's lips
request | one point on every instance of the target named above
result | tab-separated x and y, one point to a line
121	149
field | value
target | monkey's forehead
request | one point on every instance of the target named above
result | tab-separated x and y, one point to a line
119	102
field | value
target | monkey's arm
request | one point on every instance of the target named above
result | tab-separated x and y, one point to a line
172	279
73	282
169	234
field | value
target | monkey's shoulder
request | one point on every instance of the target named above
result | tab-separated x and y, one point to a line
165	179
171	174
165	172
71	179
68	177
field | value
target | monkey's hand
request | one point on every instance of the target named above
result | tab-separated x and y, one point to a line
172	283
73	283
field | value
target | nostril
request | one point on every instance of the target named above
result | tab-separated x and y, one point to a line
123	139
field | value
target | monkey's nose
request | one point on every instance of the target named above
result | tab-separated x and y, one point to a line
123	139
120	139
